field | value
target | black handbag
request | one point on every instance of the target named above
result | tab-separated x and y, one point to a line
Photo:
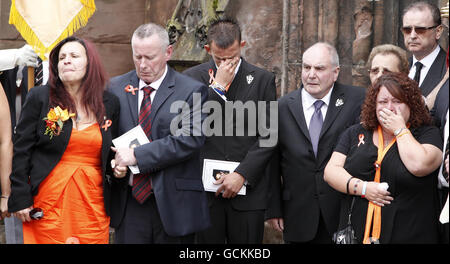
346	235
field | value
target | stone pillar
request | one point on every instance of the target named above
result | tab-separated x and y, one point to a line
362	43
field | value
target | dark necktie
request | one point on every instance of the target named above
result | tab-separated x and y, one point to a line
142	185
38	73
417	74
444	171
315	125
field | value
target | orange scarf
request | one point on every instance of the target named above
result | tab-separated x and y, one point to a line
374	211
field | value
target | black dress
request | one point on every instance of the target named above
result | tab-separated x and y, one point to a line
412	217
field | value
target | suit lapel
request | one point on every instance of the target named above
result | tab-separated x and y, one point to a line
437	71
295	105
106	132
435	74
212	66
337	102
133	99
163	92
62	140
244	81
205	74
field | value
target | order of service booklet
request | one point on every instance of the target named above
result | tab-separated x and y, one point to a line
212	171
133	138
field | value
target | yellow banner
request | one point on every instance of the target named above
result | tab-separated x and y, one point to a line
44	23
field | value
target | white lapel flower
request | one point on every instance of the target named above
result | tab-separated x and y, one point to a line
339	102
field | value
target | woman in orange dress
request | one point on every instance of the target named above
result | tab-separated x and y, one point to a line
62	148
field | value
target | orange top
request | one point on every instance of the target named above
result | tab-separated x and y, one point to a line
71	196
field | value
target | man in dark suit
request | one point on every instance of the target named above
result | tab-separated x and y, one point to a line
166	202
422	30
235	218
311	119
440	113
11	62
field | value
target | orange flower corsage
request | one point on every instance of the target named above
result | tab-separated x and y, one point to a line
54	121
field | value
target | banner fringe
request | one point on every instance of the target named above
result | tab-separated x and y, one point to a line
79	21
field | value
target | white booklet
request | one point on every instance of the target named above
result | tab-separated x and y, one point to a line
133	138
212	170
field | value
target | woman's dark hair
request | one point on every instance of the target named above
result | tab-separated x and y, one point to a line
401	87
92	86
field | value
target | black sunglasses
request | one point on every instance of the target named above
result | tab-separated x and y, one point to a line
418	30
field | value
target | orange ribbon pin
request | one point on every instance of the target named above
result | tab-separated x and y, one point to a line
361	139
130	89
107	124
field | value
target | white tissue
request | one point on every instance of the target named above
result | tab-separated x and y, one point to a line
383	186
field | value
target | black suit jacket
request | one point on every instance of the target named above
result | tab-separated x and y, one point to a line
35	154
439	111
301	195
8	80
250	84
435	74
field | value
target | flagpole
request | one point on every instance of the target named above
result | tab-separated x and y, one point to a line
30	77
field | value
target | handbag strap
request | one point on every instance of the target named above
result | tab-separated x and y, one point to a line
430	99
350	211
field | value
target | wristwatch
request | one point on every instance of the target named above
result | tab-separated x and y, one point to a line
398	131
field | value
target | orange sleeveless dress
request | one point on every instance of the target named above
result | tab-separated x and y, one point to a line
71	196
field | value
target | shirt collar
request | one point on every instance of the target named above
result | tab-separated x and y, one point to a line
309	100
155	85
429	59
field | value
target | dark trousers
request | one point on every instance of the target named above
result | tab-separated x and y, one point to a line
232	226
322	235
444	232
142	224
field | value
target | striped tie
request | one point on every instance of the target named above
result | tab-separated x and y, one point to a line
142	186
38	73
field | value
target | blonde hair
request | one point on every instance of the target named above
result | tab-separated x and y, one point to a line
390	49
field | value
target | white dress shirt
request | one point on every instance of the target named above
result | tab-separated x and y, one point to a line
155	85
308	104
45	71
427	62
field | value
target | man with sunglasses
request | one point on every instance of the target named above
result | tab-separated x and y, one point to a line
421	30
